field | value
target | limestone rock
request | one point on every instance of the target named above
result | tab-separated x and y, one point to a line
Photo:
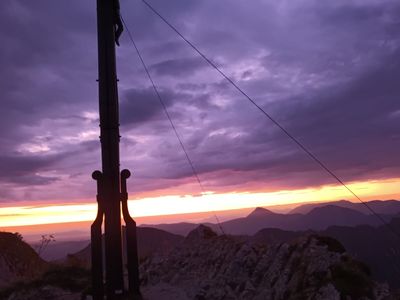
208	266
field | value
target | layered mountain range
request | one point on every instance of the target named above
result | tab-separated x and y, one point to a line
317	216
320	251
362	233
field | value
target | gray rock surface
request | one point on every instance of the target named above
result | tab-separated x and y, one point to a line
44	293
208	266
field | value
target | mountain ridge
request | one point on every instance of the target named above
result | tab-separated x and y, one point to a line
381	255
150	241
260	212
379	206
208	266
317	218
18	260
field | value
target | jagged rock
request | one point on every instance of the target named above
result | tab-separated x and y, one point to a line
327	292
200	233
58	282
46	292
208	266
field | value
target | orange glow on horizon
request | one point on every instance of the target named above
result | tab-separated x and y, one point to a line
175	204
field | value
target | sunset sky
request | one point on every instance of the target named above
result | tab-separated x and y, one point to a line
328	71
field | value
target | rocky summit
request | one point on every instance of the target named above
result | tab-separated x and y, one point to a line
208	266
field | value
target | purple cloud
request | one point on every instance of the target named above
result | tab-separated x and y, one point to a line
326	71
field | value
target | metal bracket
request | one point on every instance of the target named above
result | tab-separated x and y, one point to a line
97	242
131	241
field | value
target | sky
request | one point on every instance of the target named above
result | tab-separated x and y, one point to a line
326	70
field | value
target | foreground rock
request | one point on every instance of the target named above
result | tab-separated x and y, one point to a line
18	261
58	283
45	292
150	241
207	266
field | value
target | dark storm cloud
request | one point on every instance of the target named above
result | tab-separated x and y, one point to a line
24	169
346	13
178	67
139	106
326	70
349	124
39	58
45	63
355	128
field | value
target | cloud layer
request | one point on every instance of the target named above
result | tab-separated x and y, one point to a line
327	71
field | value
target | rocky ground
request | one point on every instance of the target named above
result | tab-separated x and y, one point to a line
18	260
44	293
58	283
208	266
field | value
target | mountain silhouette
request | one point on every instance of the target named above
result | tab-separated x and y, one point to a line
378	247
260	212
379	206
18	260
182	228
150	241
318	217
323	217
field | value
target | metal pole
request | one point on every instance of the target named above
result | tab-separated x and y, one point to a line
109	128
111	191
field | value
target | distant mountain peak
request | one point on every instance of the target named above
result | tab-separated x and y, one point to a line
380	206
333	209
199	233
260	212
